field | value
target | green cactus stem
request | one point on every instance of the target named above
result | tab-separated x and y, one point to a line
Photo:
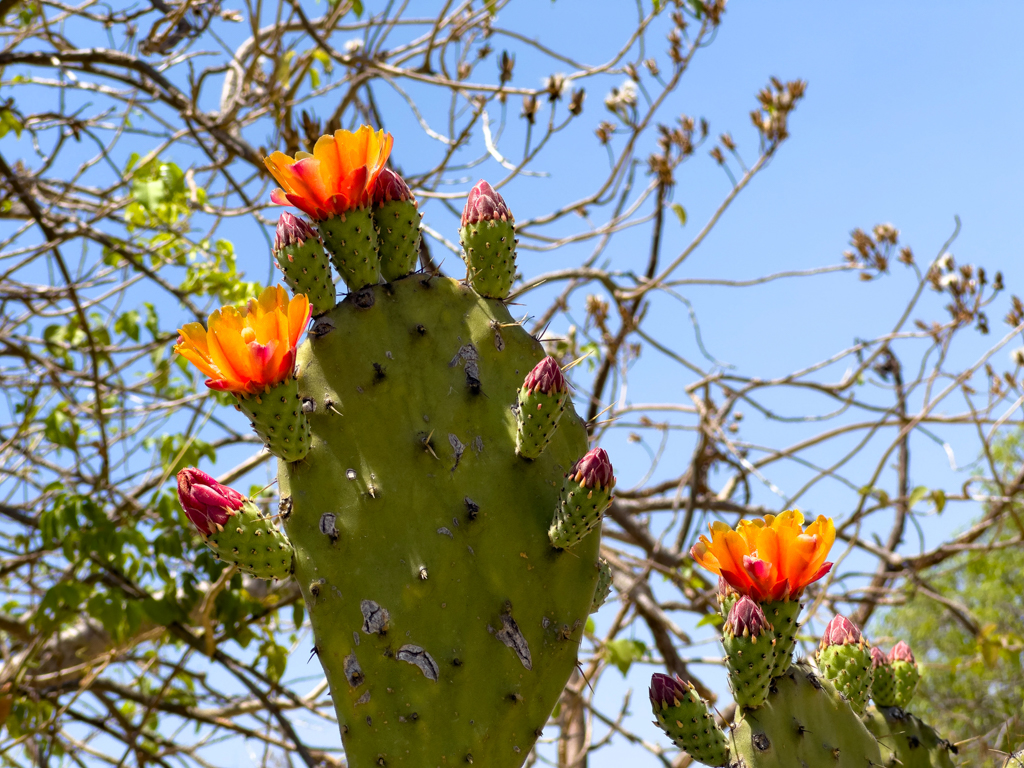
488	242
604	585
749	653
782	614
351	240
541	404
397	218
446	624
804	722
301	257
684	717
845	659
278	416
906	675
233	527
586	494
883	683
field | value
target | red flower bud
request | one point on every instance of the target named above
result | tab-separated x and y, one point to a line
593	470
746	619
665	690
878	657
901	652
546	377
840	631
484	204
390	186
291	230
207	503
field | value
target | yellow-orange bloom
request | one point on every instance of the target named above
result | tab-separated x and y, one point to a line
337	177
769	559
247	352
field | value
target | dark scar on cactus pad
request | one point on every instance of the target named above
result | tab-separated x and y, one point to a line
284	507
472	508
760	742
353	672
457	447
375	618
418	657
511	636
327	526
321	328
364	298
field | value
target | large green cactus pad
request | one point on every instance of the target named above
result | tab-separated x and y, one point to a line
446	622
804	722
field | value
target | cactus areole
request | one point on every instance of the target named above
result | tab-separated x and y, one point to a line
446	619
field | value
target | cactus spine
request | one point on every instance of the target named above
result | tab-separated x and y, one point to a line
446	620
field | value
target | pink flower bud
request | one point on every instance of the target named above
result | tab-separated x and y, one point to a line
840	631
390	186
593	470
901	652
207	503
291	230
665	690
484	204
878	658
546	377
746	619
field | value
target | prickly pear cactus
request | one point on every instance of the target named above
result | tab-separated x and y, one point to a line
445	620
441	504
791	713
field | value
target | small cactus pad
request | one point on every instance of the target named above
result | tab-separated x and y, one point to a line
279	419
351	240
541	403
446	623
749	653
906	742
883	683
398	225
804	722
905	673
233	527
304	262
604	585
782	615
252	541
845	659
684	717
488	242
586	494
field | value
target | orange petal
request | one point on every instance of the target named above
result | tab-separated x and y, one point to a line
701	552
227	350
199	360
299	312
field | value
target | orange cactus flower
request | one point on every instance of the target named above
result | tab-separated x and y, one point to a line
248	352
337	177
769	559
